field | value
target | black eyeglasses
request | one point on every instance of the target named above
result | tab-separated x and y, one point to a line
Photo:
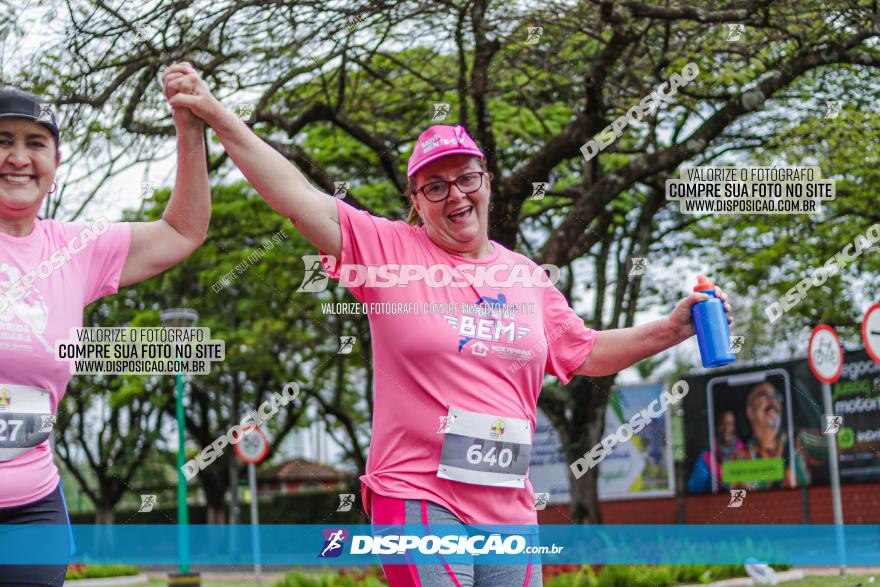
437	191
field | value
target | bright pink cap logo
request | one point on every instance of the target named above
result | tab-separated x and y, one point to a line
440	141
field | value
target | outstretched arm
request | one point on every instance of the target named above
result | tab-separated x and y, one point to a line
276	179
156	246
615	350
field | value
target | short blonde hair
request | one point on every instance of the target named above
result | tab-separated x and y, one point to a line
413	218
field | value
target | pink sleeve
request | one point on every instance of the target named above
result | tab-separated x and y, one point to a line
366	240
569	341
106	258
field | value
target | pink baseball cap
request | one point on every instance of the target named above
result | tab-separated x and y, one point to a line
439	141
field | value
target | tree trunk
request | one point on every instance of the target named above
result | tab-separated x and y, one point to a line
586	427
233	491
216	514
215	493
585	499
103	513
233	462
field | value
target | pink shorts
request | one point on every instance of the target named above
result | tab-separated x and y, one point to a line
393	511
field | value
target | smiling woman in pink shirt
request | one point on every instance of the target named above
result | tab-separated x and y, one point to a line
459	350
49	272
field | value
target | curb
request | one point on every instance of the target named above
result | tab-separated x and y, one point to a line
109	581
781	577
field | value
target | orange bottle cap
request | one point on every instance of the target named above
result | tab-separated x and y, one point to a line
704	284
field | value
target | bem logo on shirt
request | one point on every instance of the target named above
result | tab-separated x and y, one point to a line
488	328
485	328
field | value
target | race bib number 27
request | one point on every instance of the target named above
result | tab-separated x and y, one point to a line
25	419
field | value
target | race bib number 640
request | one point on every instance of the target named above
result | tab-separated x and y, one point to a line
483	449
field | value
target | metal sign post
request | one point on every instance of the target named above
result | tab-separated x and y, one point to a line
252	449
825	356
255	520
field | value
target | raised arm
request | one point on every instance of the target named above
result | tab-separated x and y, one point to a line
156	246
276	179
617	349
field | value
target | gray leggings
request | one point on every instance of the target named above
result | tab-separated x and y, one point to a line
390	511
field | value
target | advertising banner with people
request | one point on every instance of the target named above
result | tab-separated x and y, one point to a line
641	467
764	426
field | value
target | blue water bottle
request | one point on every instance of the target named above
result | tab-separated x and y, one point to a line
713	331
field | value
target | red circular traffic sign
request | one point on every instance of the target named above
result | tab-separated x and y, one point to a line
253	446
871	332
825	354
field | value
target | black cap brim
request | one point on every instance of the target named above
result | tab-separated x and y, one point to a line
18	104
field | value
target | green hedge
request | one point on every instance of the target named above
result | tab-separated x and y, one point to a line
75	572
370	578
585	576
312	507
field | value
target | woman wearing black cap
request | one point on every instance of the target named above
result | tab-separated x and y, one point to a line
49	271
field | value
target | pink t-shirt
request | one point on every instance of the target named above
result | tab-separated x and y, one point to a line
75	263
423	365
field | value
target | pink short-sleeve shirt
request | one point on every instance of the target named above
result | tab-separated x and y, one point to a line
70	265
434	349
